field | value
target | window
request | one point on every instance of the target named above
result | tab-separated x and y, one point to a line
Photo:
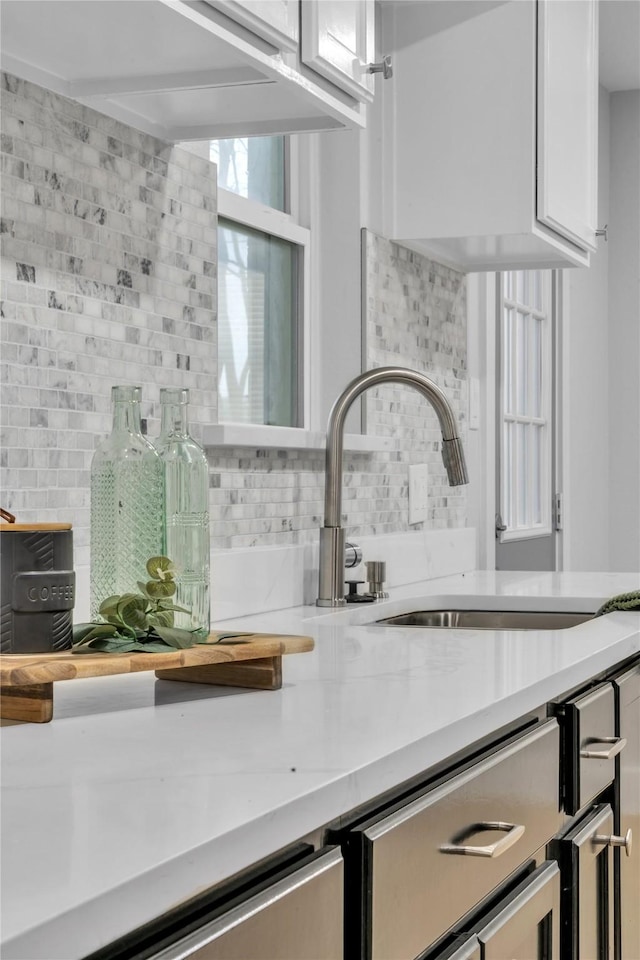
262	265
257	327
526	399
253	167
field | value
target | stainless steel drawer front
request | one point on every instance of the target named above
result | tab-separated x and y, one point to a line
628	867
586	860
515	931
298	918
419	886
597	744
469	949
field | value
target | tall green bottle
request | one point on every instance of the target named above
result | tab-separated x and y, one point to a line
186	479
127	503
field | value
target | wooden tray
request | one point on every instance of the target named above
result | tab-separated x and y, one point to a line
240	660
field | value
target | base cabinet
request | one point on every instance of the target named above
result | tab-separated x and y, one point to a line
413	871
586	862
523	926
517	851
627	815
527	925
290	911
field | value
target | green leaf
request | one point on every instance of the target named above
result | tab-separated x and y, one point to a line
86	632
175	637
109	606
168	605
164	618
114	645
143	589
84	648
114	619
226	638
158	589
80	631
132	610
156	646
161	568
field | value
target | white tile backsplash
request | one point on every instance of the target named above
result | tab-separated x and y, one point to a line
109	262
108	272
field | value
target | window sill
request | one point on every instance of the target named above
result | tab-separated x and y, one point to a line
287	438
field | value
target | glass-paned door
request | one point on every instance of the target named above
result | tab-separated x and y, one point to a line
526	414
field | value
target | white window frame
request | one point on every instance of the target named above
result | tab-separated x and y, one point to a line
249	213
544	316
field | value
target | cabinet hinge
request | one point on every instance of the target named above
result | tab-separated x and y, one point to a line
558	511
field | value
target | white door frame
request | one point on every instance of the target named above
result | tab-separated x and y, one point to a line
482	334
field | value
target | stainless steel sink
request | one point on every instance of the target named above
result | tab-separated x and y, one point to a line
489	619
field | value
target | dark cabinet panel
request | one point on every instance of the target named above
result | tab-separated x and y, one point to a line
627	815
585	856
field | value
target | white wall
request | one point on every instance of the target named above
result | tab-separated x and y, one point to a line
336	223
585	404
624	333
601	392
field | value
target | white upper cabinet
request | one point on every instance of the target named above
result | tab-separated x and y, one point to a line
490	146
568	119
276	21
184	69
338	42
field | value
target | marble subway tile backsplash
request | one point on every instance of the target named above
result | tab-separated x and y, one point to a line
109	276
415	316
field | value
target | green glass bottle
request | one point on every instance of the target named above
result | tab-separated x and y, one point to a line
127	503
186	479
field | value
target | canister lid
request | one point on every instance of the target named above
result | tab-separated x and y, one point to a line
11	527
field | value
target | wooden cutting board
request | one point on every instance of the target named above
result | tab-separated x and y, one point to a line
241	660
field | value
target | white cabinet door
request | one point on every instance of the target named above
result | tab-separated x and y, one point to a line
276	21
567	118
337	41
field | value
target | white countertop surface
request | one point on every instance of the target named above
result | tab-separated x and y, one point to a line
141	793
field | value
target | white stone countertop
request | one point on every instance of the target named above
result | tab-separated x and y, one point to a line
141	793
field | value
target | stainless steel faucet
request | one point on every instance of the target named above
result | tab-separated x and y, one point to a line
331	575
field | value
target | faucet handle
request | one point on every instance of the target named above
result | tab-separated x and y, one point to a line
353	596
376	575
352	555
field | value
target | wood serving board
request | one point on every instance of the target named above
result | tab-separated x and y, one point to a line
239	660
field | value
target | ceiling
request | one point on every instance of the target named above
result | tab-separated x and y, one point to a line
620	44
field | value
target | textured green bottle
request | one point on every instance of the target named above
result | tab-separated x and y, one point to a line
127	503
186	531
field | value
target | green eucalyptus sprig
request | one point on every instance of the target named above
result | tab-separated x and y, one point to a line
138	621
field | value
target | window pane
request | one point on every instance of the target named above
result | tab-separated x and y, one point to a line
253	167
507	364
536	367
521	363
257	327
536	289
507	460
526	401
536	475
521	470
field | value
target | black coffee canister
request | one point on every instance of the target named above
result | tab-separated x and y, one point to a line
37	587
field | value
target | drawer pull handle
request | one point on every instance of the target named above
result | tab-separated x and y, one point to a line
611	840
617	746
513	833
